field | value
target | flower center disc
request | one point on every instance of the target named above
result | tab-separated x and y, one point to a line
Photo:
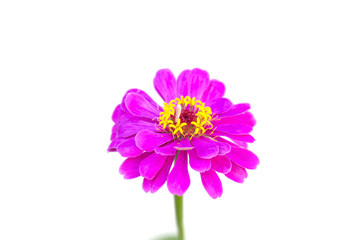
185	117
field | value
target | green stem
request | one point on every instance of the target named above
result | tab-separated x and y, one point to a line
179	216
179	211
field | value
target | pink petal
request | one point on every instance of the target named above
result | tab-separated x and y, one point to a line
132	126
165	84
234	143
139	106
243	138
241	144
179	179
142	93
130	167
151	165
158	181
221	164
237	173
198	164
220	105
184	145
183	83
245	118
147	140
236	109
192	83
170	149
243	157
215	89
167	150
205	147
114	131
114	143
220	139
235	129
128	148
212	183
224	147
118	112
126	118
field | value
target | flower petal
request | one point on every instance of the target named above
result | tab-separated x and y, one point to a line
236	109
128	148
235	129
142	93
167	150
184	145
243	157
165	84
114	143
205	148
114	131
170	149
198	164
234	143
239	138
221	164
220	105
245	118
132	126
182	84
151	165
121	120
192	83
241	144
147	140
158	181
118	112
139	106
212	183
130	167
224	148
215	89
179	180
237	173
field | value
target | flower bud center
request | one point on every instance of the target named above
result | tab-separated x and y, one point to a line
187	116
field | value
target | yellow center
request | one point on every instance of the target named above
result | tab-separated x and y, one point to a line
185	117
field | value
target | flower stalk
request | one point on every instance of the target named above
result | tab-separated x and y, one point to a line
178	200
179	216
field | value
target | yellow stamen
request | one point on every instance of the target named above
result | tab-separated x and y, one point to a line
177	127
170	120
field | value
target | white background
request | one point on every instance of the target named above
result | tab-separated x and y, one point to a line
65	65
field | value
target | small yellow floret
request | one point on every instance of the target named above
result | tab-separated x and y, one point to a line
199	125
177	127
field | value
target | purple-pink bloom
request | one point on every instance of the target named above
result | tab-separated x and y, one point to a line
197	126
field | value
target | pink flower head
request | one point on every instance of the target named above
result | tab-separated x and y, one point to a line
196	125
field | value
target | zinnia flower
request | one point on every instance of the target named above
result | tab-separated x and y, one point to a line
196	125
